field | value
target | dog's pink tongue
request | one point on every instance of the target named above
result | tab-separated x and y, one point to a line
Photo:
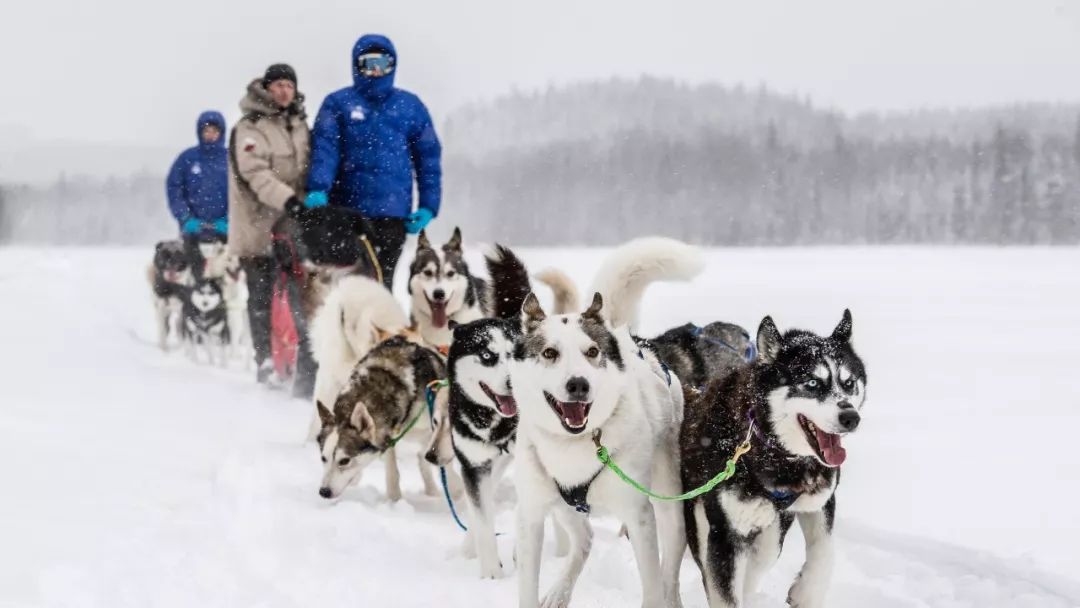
834	453
574	414
438	314
507	405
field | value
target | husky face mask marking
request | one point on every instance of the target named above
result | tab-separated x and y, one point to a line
816	388
206	296
482	366
567	368
439	280
345	448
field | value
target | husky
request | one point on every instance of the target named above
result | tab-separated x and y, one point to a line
169	275
383	397
205	321
701	354
441	289
794	405
482	412
225	268
577	380
356	314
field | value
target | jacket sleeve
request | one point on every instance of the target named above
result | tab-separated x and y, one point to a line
325	147
426	153
175	190
251	151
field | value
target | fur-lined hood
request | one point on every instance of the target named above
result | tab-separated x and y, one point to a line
258	101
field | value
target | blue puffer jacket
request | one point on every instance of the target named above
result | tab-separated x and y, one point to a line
368	141
198	183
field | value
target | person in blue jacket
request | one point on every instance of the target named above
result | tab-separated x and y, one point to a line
198	182
368	142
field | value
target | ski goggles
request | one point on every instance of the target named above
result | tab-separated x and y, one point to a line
374	65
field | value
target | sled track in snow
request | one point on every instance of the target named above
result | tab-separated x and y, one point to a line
975	576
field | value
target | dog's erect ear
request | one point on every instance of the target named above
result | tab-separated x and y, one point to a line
769	340
422	241
593	311
157	248
842	333
532	314
454	244
362	421
325	415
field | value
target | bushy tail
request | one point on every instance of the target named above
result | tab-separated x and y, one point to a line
566	293
629	269
347	324
509	282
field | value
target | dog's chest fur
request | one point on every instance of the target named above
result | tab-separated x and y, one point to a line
479	433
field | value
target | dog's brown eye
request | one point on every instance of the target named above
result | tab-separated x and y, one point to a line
344	462
449	274
428	274
593	352
550	354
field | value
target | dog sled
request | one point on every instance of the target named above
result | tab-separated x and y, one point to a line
327	243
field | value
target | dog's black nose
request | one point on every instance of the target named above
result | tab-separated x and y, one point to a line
849	419
438	295
577	388
325	492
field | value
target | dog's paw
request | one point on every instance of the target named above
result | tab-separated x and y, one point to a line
558	597
491	571
806	593
393	494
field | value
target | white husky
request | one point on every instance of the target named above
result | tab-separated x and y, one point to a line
578	379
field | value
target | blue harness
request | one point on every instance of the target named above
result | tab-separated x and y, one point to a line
748	355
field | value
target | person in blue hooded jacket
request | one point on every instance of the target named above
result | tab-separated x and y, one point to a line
368	142
198	182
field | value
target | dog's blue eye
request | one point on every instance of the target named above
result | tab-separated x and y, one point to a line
811	383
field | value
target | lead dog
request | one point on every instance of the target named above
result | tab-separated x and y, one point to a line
801	397
170	276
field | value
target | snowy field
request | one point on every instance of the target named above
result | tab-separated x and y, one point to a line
135	478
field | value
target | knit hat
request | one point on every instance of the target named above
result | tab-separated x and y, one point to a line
279	71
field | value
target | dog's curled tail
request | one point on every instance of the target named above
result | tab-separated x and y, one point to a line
631	267
509	282
566	293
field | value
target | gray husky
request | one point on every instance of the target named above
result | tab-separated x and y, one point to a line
377	405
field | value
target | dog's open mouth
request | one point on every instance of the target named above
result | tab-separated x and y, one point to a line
573	415
438	313
505	404
827	445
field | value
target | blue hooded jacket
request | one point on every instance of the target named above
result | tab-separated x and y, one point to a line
370	139
198	182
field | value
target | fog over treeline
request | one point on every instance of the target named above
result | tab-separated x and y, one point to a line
600	162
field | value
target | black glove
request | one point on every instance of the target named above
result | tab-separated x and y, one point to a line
294	208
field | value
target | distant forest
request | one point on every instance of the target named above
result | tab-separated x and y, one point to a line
597	163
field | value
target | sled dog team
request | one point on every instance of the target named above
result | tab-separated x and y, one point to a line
702	436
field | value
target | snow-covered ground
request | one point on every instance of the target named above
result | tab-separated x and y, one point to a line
135	478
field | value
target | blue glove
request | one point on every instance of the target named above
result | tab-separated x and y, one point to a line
418	220
191	226
315	199
221	226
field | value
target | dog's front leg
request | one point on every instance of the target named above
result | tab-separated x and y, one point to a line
534	491
580	535
480	490
813	581
393	476
640	520
671	524
426	474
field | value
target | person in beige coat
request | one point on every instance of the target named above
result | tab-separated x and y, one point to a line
269	151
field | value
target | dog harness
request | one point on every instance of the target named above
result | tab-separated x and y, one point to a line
748	355
575	496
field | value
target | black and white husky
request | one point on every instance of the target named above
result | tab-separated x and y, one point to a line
482	412
795	403
579	378
441	289
206	322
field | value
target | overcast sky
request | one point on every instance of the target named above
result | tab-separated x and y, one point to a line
139	71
